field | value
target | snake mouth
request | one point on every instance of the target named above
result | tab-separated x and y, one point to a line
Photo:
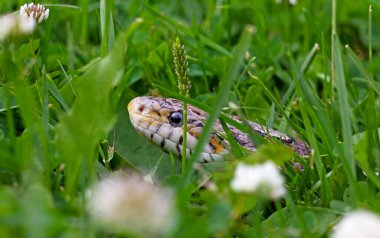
170	138
150	120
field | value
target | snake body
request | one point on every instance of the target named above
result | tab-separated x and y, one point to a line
159	120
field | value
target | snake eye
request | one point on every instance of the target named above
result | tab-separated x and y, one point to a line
176	119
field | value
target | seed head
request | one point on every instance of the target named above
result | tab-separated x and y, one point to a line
181	68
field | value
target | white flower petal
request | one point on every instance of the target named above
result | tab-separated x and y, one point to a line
264	179
36	11
7	23
14	25
26	25
130	203
358	224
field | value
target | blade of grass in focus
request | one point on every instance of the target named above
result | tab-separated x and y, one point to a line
220	99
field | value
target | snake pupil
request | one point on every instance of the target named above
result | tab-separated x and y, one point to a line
175	119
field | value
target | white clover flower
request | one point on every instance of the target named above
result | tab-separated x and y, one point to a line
264	179
26	25
7	23
128	203
291	2
34	11
13	25
358	224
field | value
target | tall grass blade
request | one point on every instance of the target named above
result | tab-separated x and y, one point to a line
307	104
91	116
346	151
106	26
220	99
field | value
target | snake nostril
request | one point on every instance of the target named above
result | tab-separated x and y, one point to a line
141	108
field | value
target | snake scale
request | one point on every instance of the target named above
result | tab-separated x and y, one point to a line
161	120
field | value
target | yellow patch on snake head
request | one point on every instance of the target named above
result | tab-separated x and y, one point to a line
195	131
218	147
146	122
131	105
164	115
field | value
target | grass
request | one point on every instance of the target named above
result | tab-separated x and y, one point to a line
310	70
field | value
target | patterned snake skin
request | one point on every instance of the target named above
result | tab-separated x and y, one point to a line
160	120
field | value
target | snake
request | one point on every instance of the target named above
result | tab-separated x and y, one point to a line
161	121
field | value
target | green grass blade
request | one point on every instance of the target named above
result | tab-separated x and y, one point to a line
53	90
235	149
82	128
220	99
345	113
187	30
302	90
373	136
106	26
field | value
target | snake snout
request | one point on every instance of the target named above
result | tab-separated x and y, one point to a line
137	106
131	105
